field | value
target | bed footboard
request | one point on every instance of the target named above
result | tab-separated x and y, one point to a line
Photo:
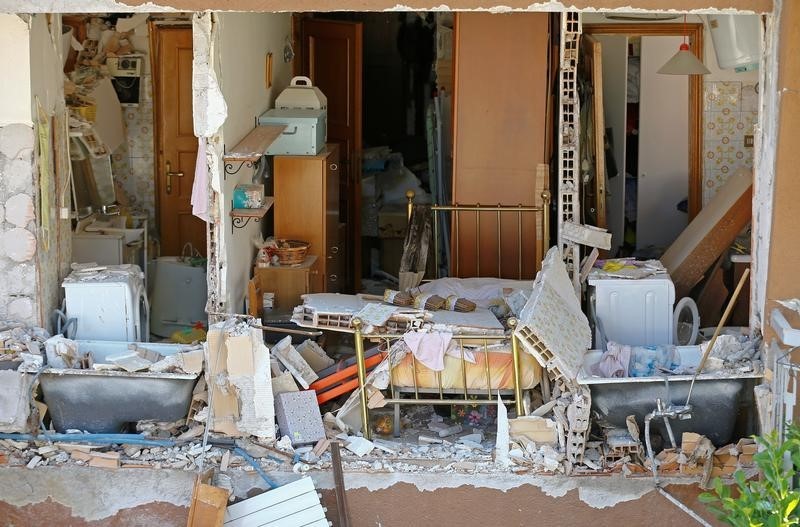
485	395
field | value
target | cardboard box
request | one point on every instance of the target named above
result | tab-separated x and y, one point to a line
392	221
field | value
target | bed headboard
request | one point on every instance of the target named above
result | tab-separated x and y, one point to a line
489	240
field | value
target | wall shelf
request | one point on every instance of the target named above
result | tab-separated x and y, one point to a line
251	149
241	217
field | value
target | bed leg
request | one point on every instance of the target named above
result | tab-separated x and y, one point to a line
362	379
512	323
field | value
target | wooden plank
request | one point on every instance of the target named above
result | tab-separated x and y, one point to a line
254	213
269	498
306	505
255	143
710	233
208	506
338	478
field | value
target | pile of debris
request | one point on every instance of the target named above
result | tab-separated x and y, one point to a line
697	456
18	341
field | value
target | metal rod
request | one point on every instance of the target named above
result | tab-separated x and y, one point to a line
489	208
437	270
696	517
440	401
499	246
463	370
512	323
414	376
457	244
722	322
478	242
545	223
288	331
488	373
519	245
362	377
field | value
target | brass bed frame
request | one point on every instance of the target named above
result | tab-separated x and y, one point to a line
468	396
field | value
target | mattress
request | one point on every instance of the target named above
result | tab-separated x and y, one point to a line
501	372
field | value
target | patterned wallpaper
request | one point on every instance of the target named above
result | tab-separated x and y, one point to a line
731	113
133	162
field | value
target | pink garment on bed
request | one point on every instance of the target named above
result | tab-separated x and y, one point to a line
429	348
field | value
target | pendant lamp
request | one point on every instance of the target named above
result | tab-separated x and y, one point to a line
684	62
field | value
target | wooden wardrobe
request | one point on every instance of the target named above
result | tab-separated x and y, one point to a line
306	208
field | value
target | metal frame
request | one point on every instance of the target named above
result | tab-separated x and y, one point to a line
499	211
469	397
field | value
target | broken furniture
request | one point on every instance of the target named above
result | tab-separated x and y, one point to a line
480	368
720	398
306	190
507	258
710	232
179	292
109	302
342	377
287	283
105	401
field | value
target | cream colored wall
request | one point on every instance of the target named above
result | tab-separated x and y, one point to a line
243	41
15	90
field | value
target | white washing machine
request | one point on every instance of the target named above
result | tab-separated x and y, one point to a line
636	312
109	303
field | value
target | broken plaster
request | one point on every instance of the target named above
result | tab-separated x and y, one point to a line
98	496
764	166
100	6
596	492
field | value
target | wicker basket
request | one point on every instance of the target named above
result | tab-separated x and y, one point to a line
291	252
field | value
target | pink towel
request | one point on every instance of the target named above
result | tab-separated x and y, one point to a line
200	185
429	348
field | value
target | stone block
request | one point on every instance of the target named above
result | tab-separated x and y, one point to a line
298	417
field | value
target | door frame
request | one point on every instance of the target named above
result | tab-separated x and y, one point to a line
694	36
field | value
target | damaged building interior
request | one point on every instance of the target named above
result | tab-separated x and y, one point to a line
282	251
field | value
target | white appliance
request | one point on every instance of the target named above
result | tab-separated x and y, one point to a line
180	293
635	312
109	303
737	40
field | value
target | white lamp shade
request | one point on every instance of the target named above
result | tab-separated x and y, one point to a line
684	62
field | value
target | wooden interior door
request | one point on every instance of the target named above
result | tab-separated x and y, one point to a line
500	99
176	144
332	57
614	51
592	55
663	149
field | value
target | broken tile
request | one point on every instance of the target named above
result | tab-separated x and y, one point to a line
359	445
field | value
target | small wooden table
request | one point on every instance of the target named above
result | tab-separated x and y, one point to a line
288	282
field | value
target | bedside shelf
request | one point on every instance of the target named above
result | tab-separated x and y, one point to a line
242	217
